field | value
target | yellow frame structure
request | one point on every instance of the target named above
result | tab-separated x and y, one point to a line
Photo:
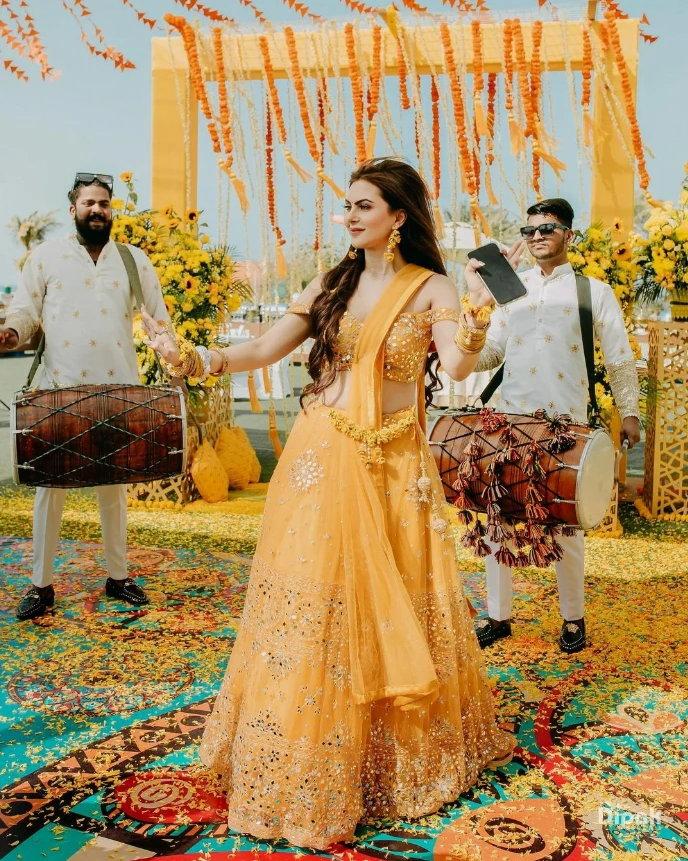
175	159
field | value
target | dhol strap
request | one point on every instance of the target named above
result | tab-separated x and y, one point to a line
588	336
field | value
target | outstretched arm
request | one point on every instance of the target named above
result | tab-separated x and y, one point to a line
279	341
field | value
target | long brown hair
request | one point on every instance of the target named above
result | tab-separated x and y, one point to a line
401	187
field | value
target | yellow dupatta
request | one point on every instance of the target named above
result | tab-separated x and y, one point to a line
388	648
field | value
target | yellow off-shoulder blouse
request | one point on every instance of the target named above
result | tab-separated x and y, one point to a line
405	348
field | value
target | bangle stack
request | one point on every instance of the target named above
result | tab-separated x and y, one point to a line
193	362
480	315
468	339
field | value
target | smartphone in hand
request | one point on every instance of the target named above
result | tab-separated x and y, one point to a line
498	274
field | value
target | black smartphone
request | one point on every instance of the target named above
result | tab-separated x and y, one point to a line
498	274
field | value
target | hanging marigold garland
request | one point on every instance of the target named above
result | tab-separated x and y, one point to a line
356	79
273	95
225	122
280	262
374	89
188	34
435	101
523	82
478	79
322	100
536	98
515	132
299	87
467	162
610	29
586	74
402	71
489	145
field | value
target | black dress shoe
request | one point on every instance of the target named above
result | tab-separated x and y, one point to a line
572	637
125	590
35	603
488	631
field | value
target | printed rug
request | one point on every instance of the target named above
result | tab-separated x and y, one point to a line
102	707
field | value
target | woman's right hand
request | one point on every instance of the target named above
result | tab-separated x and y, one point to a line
160	339
475	284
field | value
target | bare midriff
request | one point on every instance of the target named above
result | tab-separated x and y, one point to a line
395	396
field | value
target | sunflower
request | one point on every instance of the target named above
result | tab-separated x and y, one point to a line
192	215
617	225
126	176
622	252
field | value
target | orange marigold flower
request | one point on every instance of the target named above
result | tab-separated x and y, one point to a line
126	176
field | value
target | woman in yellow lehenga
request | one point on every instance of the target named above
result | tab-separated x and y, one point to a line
356	688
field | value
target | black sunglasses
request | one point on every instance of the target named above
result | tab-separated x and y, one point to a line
87	178
546	229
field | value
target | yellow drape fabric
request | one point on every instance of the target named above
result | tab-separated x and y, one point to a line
387	659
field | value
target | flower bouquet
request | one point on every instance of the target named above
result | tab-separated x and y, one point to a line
198	279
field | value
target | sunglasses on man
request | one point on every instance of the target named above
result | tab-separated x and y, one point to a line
88	178
547	229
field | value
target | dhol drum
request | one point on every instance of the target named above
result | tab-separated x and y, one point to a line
575	472
91	435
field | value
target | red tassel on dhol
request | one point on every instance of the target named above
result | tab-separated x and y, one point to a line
533	495
481	549
498	533
508	436
462	502
520	539
556	552
569	531
522	560
465	518
474	449
533	532
504	556
539	555
536	512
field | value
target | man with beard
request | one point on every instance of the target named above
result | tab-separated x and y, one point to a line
539	341
77	289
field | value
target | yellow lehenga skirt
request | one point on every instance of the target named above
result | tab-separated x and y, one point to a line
300	757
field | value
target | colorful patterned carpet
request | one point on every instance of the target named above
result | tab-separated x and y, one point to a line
102	708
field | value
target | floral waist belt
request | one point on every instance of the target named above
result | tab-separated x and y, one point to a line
371	439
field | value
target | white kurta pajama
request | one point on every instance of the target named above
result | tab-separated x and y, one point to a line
538	337
86	311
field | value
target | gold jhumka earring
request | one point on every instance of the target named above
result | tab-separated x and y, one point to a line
394	240
353	254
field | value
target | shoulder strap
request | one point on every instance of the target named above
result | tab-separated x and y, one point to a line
492	386
132	272
38	355
135	285
588	334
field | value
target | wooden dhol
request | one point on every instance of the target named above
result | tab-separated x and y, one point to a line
180	489
91	435
578	484
665	487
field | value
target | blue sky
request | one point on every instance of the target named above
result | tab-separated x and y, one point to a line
97	118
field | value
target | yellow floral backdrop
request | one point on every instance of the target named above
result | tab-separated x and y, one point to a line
198	278
662	257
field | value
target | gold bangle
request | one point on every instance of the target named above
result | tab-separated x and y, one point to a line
480	314
190	363
470	340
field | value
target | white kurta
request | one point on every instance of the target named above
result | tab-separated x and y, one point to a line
539	338
86	311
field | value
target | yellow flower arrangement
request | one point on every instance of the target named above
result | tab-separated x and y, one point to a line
594	253
198	279
662	257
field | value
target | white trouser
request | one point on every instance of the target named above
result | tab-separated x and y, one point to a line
570	576
47	516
